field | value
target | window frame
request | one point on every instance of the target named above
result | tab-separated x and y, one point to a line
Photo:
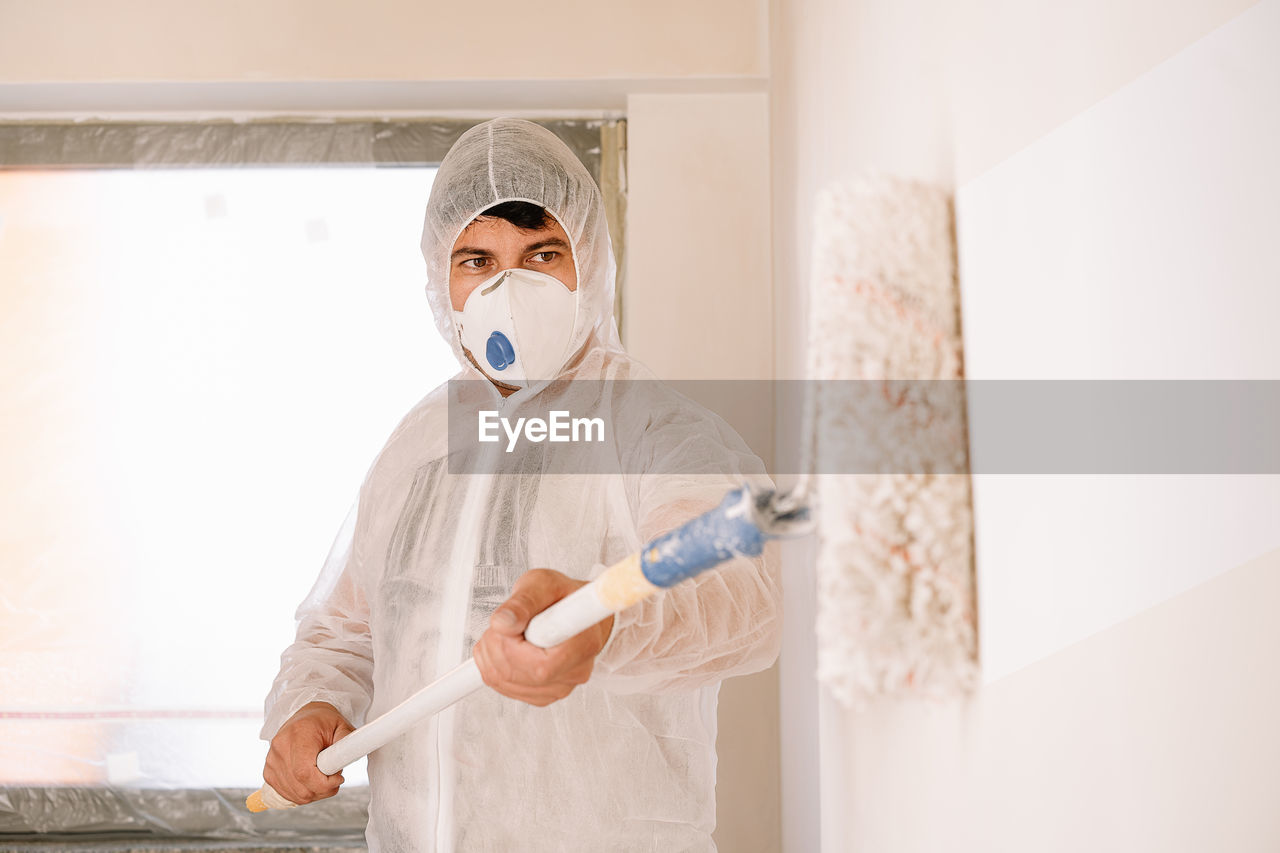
157	817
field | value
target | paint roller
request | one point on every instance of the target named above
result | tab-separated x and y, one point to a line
738	527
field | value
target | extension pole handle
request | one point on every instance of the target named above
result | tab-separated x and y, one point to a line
568	617
729	530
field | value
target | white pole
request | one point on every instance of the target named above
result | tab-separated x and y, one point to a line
618	588
737	527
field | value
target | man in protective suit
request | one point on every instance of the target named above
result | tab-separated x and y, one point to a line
607	741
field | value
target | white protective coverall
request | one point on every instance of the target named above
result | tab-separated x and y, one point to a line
625	762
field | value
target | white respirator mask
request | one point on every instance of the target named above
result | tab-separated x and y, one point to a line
518	326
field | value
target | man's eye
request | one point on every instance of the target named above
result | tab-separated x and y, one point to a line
546	257
477	262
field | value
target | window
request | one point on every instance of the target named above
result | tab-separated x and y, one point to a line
198	363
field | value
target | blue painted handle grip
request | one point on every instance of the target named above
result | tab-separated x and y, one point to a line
723	533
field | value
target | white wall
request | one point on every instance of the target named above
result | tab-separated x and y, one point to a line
1115	190
1157	734
697	306
1144	259
847	91
705	274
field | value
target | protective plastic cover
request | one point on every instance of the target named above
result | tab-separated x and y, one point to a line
72	813
628	759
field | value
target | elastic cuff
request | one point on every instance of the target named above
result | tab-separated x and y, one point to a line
276	719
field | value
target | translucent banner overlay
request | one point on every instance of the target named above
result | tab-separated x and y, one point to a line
1034	427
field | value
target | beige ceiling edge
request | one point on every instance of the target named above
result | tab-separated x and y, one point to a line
604	98
207	40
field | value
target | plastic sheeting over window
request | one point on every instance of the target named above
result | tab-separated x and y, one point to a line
108	814
196	367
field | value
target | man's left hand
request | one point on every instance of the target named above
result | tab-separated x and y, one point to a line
515	667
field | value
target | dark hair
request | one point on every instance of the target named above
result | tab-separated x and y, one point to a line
522	214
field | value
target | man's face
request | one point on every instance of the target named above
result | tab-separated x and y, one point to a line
490	245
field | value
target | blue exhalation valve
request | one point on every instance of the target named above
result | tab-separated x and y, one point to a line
499	351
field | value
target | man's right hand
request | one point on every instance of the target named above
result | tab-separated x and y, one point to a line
291	760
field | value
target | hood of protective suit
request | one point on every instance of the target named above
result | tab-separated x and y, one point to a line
509	159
